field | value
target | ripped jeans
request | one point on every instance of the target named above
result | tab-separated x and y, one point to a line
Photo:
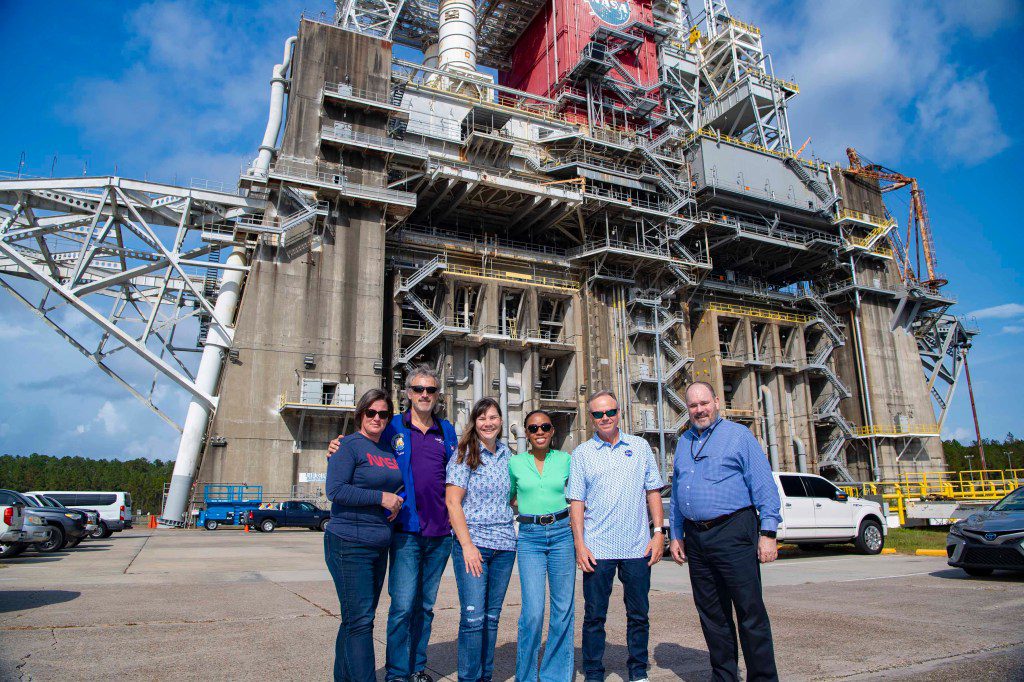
481	600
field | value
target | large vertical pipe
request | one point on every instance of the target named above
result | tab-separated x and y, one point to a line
478	380
661	404
503	394
218	341
456	32
261	165
798	444
769	415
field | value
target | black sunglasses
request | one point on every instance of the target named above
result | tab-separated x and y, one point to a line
430	390
383	414
607	413
534	428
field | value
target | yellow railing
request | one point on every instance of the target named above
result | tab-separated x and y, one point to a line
866	218
745	26
764	313
712	134
975	484
897	430
564	283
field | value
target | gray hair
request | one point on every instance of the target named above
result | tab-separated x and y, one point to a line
705	384
421	371
598	394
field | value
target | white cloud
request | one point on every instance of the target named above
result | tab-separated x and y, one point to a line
884	77
111	418
959	434
1013	329
1000	312
81	428
12	332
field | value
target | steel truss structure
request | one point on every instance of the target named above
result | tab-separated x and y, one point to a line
141	261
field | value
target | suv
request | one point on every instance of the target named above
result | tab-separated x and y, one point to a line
65	524
115	508
91	516
815	512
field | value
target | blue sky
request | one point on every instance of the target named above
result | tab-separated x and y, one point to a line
178	90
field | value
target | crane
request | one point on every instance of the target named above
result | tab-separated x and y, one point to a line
917	225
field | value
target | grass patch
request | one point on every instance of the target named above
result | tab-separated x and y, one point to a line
906	540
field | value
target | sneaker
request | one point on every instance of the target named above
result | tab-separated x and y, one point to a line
421	676
641	679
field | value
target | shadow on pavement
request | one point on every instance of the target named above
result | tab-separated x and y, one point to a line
684	662
23	559
997	577
20	600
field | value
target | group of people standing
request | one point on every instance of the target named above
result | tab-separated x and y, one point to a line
406	491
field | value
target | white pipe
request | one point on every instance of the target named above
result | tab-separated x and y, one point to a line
503	395
218	340
798	445
261	165
456	32
769	413
430	56
520	438
478	380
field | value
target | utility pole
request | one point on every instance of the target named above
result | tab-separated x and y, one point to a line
974	411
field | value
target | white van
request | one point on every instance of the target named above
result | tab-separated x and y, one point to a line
115	508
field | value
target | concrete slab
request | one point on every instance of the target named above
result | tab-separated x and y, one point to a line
197	605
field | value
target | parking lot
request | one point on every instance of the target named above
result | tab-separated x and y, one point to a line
162	605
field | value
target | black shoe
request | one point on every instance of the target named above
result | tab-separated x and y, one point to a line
421	676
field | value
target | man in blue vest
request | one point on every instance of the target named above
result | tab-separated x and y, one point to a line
422	542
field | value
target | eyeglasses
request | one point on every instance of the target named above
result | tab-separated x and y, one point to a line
534	428
383	414
429	390
606	413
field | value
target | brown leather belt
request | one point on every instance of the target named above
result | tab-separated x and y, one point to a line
718	520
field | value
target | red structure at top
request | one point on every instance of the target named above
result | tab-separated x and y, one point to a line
553	52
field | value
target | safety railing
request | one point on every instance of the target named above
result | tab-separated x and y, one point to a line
564	283
764	313
555	395
346	91
337	179
745	26
480	241
971	484
346	134
860	216
897	430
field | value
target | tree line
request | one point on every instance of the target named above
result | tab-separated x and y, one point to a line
142	478
1007	453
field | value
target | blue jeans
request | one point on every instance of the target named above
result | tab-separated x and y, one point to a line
546	556
635	576
417	563
358	571
480	599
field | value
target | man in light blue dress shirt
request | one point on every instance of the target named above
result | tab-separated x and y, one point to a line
613	484
725	511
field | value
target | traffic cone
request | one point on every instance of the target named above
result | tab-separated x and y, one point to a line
247	528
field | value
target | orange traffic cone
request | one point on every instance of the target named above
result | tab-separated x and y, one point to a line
247	528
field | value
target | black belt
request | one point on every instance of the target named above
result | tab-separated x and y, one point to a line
718	520
543	519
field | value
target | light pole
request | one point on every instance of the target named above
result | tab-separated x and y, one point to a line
969	467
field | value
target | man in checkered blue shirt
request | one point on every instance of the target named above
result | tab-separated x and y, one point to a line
613	482
725	511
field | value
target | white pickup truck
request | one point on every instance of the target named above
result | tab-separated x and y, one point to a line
815	512
18	530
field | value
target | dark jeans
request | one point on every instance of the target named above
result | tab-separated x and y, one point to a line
725	574
358	571
480	600
417	563
635	576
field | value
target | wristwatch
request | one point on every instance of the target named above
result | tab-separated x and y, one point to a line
661	529
768	534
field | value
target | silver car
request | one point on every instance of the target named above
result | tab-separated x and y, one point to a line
991	540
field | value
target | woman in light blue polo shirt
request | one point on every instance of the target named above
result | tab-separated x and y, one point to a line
547	555
477	496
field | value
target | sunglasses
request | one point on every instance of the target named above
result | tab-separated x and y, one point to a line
606	413
429	390
383	414
534	428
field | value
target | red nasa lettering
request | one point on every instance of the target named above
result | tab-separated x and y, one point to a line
378	461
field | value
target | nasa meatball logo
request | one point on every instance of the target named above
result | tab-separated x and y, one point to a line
398	443
614	12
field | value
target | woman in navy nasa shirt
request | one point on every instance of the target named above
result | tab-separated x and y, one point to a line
363	485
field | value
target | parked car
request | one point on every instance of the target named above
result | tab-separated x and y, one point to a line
91	516
64	523
990	540
291	513
815	512
18	530
115	508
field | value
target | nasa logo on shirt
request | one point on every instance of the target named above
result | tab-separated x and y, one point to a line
439	439
629	453
614	12
398	443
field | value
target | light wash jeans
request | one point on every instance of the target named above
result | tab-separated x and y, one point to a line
547	559
480	600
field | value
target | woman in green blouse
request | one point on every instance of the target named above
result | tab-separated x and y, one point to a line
546	554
